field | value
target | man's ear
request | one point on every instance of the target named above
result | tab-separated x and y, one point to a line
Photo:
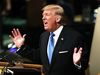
58	18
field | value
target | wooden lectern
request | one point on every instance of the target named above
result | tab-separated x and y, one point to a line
28	69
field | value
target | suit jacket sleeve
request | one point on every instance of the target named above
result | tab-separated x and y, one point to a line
85	53
29	53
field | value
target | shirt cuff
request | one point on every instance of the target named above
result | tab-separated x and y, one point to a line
78	66
19	48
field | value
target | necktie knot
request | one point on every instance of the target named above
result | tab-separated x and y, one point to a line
52	35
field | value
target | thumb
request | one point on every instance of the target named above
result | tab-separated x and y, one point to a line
24	36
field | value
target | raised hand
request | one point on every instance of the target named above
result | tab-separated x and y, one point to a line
17	38
77	55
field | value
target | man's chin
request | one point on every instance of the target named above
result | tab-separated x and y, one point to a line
46	28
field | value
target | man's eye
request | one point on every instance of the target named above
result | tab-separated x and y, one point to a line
47	14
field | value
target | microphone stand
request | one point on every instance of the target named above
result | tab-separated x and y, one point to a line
7	60
2	72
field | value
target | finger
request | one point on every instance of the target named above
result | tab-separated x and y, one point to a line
11	37
75	50
15	32
80	50
24	36
18	32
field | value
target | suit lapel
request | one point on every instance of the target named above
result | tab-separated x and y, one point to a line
44	49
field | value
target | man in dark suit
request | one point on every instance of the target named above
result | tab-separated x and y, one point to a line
69	55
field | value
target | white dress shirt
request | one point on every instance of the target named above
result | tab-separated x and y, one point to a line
57	33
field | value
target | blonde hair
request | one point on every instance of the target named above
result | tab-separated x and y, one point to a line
58	11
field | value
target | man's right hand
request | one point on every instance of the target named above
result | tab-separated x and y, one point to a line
17	37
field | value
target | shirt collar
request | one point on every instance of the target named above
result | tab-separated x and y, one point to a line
58	31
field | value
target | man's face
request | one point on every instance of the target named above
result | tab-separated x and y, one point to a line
49	20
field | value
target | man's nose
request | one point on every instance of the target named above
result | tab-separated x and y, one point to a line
44	17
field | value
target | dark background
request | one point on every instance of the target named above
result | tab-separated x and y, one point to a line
27	16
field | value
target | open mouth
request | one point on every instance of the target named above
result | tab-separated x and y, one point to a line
45	23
